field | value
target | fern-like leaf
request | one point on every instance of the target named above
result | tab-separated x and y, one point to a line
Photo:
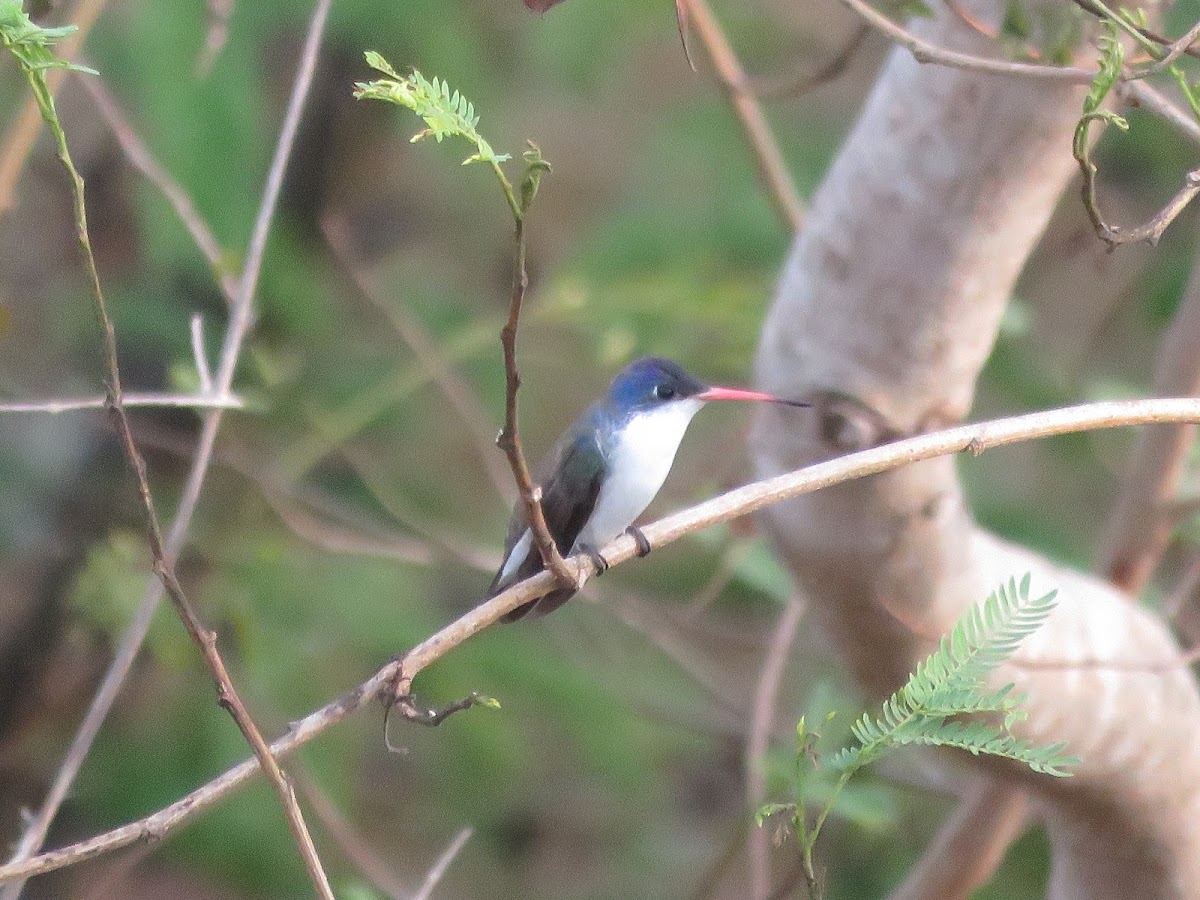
950	682
30	43
446	113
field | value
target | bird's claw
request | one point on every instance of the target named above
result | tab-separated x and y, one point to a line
643	543
596	557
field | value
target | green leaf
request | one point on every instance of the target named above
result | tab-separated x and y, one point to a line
29	41
446	113
950	683
1112	60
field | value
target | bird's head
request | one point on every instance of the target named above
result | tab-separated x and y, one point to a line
654	382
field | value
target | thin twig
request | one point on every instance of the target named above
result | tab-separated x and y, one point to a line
200	355
1144	94
1174	50
510	439
312	516
1138	92
239	325
772	168
973	438
1092	9
761	725
1150	231
925	52
227	695
1140	524
171	401
443	863
462	399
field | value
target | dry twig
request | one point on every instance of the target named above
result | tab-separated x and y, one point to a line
161	401
143	160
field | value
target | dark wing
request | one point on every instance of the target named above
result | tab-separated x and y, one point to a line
569	493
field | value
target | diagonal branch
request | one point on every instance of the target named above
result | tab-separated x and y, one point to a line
205	639
399	673
140	157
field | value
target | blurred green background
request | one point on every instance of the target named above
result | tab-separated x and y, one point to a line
350	512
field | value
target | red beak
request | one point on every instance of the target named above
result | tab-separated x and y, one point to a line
724	393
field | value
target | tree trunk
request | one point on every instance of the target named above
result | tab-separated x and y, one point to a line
886	312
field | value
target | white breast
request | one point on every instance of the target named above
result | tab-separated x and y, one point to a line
638	465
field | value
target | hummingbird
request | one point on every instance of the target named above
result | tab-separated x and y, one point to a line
606	468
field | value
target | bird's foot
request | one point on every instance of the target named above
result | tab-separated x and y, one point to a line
643	543
595	556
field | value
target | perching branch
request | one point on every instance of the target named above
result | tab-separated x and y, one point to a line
973	438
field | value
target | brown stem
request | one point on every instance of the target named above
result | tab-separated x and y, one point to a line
510	439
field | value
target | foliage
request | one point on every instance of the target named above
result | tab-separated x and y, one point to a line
446	114
449	114
925	711
30	43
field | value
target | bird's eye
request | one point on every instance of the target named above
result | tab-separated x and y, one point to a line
663	392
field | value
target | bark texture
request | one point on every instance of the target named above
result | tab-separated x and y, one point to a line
886	312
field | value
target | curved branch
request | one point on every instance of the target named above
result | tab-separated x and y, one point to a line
399	673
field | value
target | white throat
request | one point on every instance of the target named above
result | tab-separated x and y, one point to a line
638	464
